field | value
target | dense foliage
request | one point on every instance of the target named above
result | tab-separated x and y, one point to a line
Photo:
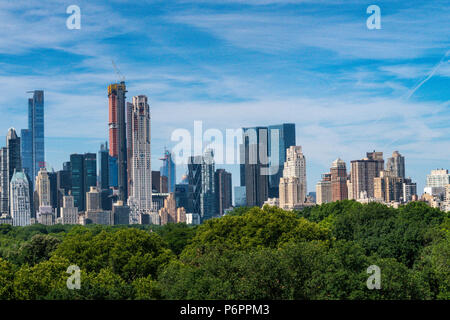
321	252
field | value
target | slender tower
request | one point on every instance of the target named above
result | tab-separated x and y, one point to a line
141	158
117	134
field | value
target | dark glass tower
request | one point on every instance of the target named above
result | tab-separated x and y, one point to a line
77	173
195	180
84	176
103	157
33	148
281	137
254	165
90	171
14	157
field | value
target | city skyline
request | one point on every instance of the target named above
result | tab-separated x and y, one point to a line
347	91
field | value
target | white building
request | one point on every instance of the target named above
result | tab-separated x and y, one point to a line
69	213
20	199
141	172
436	182
45	216
293	183
192	218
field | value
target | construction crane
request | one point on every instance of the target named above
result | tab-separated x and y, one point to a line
119	74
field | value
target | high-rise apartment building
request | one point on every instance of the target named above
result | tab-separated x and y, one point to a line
323	189
388	187
223	187
141	172
379	161
33	148
338	172
117	135
396	165
292	185
43	188
437	180
4	182
20	199
362	175
69	213
93	200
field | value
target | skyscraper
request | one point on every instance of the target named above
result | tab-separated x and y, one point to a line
90	170
437	180
33	148
338	172
168	170
20	199
141	180
195	180
396	164
293	182
103	158
14	157
69	213
255	165
43	187
77	174
207	198
84	176
388	187
93	200
4	181
379	161
223	187
117	134
280	138
362	175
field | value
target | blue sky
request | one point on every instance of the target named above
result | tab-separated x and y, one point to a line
238	63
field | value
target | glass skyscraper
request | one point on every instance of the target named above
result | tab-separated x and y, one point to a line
168	170
33	148
84	175
281	137
263	153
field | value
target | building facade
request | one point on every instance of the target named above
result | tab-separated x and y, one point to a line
338	172
117	135
141	172
396	165
20	199
223	190
323	189
168	170
33	147
292	186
